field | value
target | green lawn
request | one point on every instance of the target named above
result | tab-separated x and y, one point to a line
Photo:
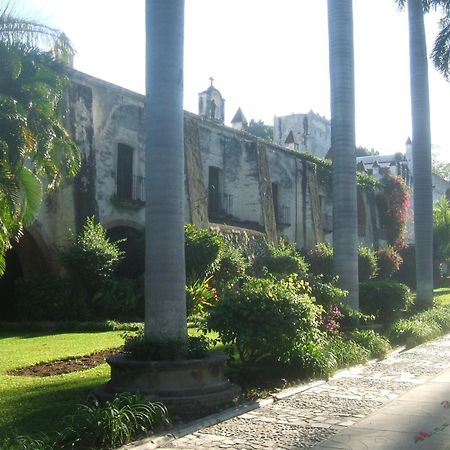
31	404
442	296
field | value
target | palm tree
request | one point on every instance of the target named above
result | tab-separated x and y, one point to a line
421	150
18	30
441	48
34	145
165	311
345	230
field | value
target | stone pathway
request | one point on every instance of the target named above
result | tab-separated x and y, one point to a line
310	417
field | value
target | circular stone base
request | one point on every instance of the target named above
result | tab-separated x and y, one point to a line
189	387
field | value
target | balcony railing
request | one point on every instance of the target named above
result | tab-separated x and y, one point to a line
131	190
283	215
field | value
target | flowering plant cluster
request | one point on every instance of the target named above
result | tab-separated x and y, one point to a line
396	213
331	321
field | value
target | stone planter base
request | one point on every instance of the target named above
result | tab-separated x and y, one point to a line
187	387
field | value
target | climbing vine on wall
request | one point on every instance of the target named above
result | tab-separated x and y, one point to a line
393	204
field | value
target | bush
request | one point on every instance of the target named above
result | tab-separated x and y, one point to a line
200	297
143	349
346	353
377	345
323	355
115	423
265	318
98	426
326	294
422	327
367	263
284	260
384	299
230	267
46	297
389	262
92	258
407	271
202	249
313	359
320	260
120	299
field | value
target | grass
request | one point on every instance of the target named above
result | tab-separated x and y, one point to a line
442	296
30	405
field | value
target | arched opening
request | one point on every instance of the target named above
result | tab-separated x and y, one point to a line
24	259
133	244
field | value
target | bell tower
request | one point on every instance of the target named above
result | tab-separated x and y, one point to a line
211	104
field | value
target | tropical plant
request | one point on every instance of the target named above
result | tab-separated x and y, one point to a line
421	149
441	48
115	423
345	228
165	302
35	148
15	29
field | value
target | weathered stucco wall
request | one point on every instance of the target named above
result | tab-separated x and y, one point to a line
261	186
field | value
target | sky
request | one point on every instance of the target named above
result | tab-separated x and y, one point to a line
269	57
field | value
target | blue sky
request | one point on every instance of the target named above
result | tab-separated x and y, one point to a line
269	57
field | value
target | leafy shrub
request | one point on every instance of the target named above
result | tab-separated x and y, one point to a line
200	296
92	257
313	359
346	353
46	297
265	317
384	299
118	299
139	348
407	271
331	320
389	262
96	426
422	327
377	345
326	293
323	355
202	249
320	260
117	422
367	263
230	267
284	260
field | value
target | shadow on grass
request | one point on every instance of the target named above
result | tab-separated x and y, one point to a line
43	407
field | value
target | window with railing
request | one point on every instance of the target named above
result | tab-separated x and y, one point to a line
283	215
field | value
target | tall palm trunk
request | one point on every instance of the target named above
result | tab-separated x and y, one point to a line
421	153
165	302
345	229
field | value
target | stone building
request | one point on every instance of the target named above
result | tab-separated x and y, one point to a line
232	178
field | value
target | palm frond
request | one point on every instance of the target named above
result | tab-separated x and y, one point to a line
32	34
31	190
440	54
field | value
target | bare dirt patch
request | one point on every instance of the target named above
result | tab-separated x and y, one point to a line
66	365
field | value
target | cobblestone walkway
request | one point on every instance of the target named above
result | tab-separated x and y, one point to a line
307	418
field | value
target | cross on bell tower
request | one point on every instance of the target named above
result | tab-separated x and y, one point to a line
211	104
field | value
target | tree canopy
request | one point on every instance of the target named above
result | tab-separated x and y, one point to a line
36	152
260	129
